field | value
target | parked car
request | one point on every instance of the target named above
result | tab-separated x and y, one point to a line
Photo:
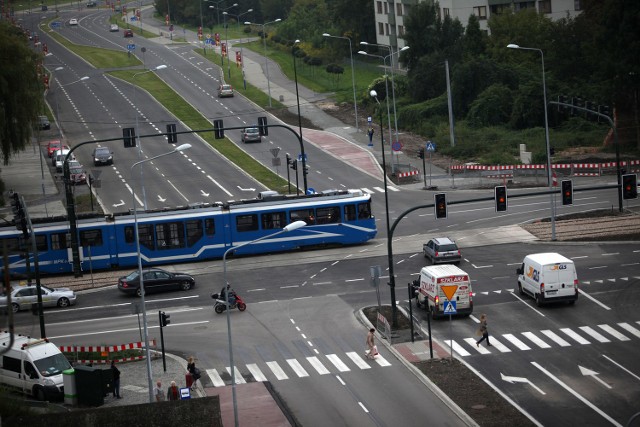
114	27
53	146
251	134
92	4
225	91
43	123
155	280
23	297
73	21
128	33
77	173
102	156
59	160
442	249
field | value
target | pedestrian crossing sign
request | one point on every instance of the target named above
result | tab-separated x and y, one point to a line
450	307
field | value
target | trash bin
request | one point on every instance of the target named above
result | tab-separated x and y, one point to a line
89	387
69	383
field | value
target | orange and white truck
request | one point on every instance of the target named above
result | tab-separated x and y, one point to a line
440	283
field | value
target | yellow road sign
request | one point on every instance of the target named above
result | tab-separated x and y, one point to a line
449	291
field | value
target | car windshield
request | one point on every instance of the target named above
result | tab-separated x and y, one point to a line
52	365
251	130
102	151
448	248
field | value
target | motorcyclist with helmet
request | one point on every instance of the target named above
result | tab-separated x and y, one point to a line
232	295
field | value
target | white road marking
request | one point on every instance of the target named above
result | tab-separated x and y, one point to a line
537	341
608	329
594	300
215	378
575	336
277	371
595	334
501	347
358	360
630	328
256	372
239	377
556	338
297	368
317	365
621	367
515	341
382	361
481	349
333	358
457	348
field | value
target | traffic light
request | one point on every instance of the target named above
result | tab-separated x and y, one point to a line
567	192
421	153
218	129
288	159
129	136
294	165
629	186
262	126
164	319
500	194
172	135
440	205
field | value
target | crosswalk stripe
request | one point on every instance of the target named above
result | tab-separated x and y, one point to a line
215	378
515	341
382	361
630	328
392	188
537	341
359	361
239	377
555	338
297	368
366	190
380	189
317	365
595	334
472	343
574	336
256	372
457	348
608	329
277	371
333	358
501	347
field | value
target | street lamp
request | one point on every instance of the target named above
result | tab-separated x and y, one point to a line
140	276
291	227
266	58
159	67
394	316
295	75
226	36
239	15
353	75
546	136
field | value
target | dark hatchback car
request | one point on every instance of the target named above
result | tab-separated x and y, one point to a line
128	33
102	156
155	280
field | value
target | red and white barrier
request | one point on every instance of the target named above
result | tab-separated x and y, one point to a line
107	349
405	174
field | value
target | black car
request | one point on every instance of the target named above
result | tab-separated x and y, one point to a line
102	156
43	123
155	280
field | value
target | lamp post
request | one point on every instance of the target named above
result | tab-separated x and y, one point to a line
159	67
353	75
295	75
291	227
546	136
392	286
239	15
226	34
266	58
140	276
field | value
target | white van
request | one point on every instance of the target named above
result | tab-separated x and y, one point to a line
33	366
548	277
432	296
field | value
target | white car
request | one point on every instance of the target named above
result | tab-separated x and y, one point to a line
114	27
24	297
73	21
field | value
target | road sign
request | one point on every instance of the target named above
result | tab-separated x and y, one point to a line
450	307
396	146
275	151
431	146
369	120
131	46
305	157
133	19
55	24
449	291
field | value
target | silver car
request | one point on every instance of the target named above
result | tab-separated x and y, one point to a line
251	135
442	249
24	297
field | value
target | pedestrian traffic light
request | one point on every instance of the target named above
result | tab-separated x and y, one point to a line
500	194
262	126
440	205
164	319
218	129
421	153
172	135
567	192
629	186
129	136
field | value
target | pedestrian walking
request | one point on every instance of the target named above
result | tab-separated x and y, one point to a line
370	133
372	350
158	392
173	393
116	379
482	330
194	371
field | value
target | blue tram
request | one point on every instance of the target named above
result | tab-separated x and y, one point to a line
197	233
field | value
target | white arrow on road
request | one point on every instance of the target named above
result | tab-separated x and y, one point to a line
204	194
512	380
246	189
119	204
589	372
160	199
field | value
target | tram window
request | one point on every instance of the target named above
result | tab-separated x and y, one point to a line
194	231
41	243
59	241
12	245
91	238
247	222
273	220
364	211
305	215
170	235
210	226
145	234
350	213
129	234
328	215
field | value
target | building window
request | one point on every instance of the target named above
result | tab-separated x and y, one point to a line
524	5
386	8
401	30
577	4
380	28
379	7
386	29
480	12
398	9
544	6
446	11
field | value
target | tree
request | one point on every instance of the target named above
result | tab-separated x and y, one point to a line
21	89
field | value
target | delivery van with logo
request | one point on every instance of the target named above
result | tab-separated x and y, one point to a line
438	282
32	366
548	277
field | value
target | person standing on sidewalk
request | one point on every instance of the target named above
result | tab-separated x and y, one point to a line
116	379
483	331
195	372
371	344
370	133
173	393
158	392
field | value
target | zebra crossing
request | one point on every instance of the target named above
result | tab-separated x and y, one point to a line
294	368
379	189
547	339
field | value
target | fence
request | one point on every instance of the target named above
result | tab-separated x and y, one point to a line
104	354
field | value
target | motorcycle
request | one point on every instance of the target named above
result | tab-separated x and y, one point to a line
221	305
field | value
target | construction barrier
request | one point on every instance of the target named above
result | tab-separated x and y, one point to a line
576	169
117	353
407	174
